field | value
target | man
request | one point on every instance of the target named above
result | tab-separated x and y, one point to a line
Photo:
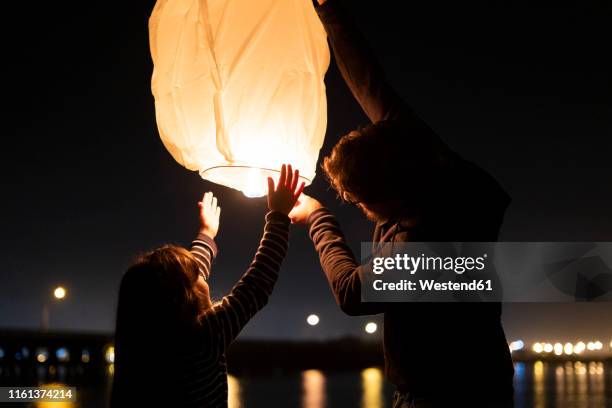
404	178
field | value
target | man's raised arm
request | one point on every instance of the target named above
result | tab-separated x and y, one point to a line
358	65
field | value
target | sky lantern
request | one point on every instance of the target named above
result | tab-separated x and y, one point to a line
238	87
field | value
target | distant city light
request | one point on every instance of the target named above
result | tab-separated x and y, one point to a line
109	355
62	354
559	348
59	293
85	357
42	355
312	320
1	353
594	345
516	345
371	328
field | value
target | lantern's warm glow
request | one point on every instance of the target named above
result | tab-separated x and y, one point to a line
238	87
254	186
371	328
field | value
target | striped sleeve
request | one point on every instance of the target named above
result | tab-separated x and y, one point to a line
204	250
339	264
252	291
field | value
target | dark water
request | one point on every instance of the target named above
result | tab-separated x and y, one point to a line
539	385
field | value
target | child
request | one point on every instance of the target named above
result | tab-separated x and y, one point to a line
171	338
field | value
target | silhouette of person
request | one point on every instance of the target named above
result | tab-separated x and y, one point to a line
406	180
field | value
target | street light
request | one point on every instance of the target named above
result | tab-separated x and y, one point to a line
312	320
59	293
371	328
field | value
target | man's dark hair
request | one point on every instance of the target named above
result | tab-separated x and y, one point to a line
382	161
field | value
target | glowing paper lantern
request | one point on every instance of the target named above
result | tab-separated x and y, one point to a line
238	87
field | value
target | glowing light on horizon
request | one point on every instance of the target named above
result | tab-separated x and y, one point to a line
59	293
85	356
62	354
516	345
312	320
548	348
558	349
42	355
568	348
537	348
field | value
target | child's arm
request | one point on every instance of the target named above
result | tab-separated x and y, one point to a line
203	247
251	293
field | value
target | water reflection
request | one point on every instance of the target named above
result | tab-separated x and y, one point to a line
234	392
539	389
54	404
315	392
313	389
372	386
545	384
570	384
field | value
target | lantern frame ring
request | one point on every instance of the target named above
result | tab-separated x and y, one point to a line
202	172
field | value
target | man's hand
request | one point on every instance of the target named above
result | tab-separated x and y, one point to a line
209	215
305	206
284	197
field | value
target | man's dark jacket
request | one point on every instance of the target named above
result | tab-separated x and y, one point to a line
452	350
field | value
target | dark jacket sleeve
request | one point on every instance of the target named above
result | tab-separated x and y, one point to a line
359	66
338	263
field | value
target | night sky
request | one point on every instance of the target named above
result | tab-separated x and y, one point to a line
87	185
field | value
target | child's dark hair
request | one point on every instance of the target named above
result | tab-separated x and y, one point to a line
168	276
381	161
159	305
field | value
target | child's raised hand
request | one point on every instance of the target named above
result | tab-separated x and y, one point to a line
284	197
209	215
